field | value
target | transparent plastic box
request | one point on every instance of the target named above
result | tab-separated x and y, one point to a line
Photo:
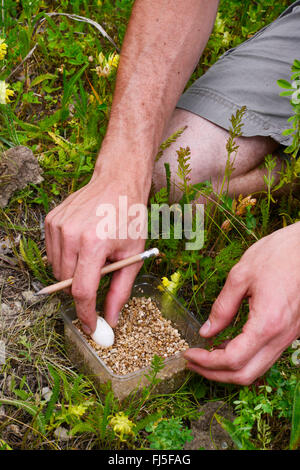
174	372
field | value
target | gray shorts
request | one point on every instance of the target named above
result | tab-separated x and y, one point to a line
247	76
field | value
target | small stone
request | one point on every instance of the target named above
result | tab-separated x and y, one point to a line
29	297
46	393
2	412
13	428
18	307
6	309
62	433
18	167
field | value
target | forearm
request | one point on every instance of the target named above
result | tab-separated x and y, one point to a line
163	43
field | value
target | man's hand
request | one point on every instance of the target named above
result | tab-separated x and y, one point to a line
268	274
162	46
75	250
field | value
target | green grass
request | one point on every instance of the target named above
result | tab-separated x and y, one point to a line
60	110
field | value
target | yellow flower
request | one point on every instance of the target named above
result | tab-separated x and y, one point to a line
5	92
244	203
173	284
107	64
121	425
4	445
3	49
78	410
113	60
103	71
101	58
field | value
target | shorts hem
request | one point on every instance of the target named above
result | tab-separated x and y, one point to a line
217	108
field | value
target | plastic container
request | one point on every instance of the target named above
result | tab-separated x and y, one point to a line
174	372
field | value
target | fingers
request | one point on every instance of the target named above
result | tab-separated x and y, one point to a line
119	292
48	240
250	354
236	355
69	255
227	303
85	284
53	241
256	367
54	235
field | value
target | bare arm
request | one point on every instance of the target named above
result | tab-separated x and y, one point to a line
162	46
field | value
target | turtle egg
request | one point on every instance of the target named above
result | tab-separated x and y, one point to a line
103	334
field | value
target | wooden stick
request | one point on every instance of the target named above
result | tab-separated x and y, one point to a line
105	270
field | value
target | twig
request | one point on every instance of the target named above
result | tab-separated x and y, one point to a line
89	21
21	63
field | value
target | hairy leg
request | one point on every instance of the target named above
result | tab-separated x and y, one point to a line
207	143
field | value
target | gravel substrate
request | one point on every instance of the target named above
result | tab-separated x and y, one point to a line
141	333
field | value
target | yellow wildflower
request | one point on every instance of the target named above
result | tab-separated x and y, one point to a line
78	410
121	425
4	445
173	284
101	58
103	71
107	64
244	203
239	208
5	92
3	48
113	60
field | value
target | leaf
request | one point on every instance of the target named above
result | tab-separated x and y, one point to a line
41	78
147	422
54	395
284	84
60	141
81	428
228	426
295	432
33	410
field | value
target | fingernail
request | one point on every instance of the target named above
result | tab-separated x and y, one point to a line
205	328
86	329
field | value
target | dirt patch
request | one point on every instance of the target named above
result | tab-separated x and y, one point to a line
207	432
18	167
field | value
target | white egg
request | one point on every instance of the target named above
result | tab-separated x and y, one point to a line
103	334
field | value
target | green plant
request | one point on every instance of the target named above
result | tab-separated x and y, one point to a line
33	258
295	433
293	90
251	428
168	434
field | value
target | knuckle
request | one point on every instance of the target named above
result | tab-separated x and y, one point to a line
238	274
79	293
67	232
82	292
272	327
235	363
48	219
87	238
244	379
218	310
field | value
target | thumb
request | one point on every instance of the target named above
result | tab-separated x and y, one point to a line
227	303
